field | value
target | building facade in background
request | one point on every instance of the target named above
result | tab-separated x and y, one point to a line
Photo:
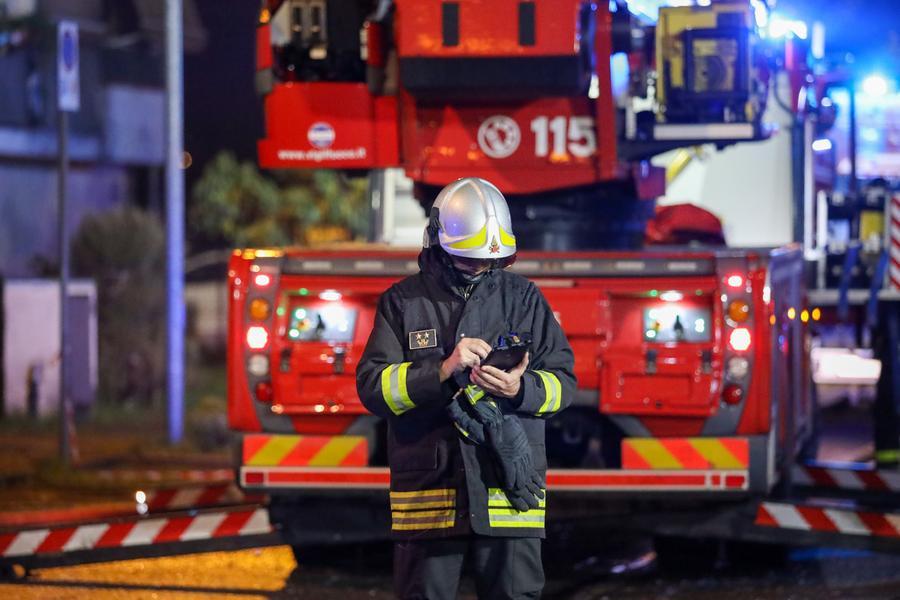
117	139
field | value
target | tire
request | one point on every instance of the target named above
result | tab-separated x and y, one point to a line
574	439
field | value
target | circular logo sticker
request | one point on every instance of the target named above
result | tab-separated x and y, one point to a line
499	136
320	134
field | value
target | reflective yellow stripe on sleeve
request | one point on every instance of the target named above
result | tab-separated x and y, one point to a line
393	388
552	393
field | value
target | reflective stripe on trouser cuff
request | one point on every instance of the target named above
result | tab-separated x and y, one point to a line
473	393
393	388
438	498
552	393
422	519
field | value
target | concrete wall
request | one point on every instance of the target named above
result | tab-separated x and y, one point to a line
207	304
31	341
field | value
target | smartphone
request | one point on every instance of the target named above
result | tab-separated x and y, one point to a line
509	352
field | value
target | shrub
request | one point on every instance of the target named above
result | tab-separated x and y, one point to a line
124	252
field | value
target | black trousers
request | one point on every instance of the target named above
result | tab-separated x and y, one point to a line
503	568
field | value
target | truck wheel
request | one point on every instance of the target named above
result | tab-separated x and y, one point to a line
575	439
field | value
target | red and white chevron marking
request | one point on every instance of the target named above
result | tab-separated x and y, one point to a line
154	475
138	532
832	520
192	497
894	243
847	479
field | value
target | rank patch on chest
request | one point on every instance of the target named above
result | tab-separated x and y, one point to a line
427	338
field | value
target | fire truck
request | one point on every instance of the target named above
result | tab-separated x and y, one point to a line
691	361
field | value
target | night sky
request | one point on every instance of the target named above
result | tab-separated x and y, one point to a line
870	29
222	110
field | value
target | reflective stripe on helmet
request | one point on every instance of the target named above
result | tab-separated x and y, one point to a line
476	241
472	221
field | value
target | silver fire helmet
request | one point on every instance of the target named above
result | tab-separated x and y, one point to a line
472	221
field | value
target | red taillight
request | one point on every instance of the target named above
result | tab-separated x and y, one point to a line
257	337
733	394
740	339
263	391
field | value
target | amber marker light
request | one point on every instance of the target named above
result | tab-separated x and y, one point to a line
738	311
259	309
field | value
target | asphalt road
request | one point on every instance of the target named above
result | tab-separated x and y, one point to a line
364	573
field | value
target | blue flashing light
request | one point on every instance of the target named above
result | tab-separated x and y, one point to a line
875	85
645	8
760	13
619	73
780	27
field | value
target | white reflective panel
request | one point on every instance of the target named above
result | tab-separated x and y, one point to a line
258	365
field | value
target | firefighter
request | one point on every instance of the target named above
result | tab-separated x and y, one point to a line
467	469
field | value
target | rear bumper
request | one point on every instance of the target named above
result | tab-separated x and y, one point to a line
640	482
298	465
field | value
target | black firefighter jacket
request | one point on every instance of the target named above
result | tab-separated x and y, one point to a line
442	485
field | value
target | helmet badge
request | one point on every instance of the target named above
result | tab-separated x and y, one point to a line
494	248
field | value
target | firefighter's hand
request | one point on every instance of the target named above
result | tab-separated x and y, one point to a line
469	352
500	383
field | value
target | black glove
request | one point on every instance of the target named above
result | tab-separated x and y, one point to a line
520	480
471	410
522	502
467	425
484	408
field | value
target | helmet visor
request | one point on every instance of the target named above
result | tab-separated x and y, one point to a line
473	266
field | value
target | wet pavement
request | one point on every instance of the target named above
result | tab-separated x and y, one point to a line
363	572
581	563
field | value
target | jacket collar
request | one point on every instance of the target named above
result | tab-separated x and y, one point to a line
434	266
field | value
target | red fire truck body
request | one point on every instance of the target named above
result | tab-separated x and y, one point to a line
546	133
691	362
